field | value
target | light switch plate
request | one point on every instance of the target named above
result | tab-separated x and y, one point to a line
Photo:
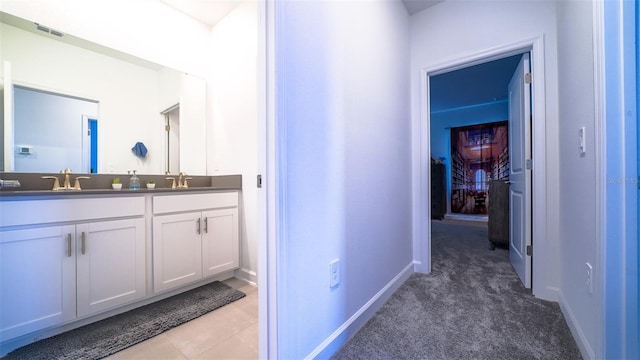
589	278
582	140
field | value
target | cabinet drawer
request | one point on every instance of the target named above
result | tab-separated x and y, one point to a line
16	213
192	202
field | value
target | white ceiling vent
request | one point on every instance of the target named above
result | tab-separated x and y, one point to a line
49	31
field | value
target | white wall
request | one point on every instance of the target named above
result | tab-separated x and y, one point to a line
233	105
343	113
578	195
459	29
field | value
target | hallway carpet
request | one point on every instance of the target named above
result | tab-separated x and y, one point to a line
472	306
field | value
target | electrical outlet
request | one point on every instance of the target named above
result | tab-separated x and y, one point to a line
589	278
334	273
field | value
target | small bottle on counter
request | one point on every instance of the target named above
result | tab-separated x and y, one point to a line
134	183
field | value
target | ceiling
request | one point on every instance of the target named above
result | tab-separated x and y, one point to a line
210	12
479	84
475	85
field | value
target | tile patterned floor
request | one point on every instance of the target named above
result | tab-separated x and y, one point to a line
230	332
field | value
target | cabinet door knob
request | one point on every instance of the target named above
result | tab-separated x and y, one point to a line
206	225
198	226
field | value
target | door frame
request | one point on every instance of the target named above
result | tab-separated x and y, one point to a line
616	96
422	155
270	167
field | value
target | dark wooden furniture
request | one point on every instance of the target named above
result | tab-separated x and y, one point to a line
438	191
498	212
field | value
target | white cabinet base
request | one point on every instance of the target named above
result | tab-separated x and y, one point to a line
195	236
80	260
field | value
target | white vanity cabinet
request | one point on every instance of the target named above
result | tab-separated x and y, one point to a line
68	259
194	236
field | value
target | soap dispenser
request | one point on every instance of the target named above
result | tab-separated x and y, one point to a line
134	183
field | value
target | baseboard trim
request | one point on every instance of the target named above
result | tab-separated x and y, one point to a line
552	294
357	320
581	340
247	275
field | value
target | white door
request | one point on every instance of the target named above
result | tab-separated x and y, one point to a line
520	170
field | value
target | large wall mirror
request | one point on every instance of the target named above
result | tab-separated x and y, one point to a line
67	102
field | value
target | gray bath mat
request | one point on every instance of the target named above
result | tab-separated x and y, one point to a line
108	336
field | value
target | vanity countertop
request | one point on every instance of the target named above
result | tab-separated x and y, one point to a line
5	194
99	185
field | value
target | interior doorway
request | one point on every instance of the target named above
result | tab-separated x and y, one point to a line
172	139
473	107
462	104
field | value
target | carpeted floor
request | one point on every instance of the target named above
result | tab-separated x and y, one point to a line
108	336
472	306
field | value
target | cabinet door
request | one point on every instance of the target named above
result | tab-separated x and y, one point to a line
177	250
37	279
220	242
111	264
